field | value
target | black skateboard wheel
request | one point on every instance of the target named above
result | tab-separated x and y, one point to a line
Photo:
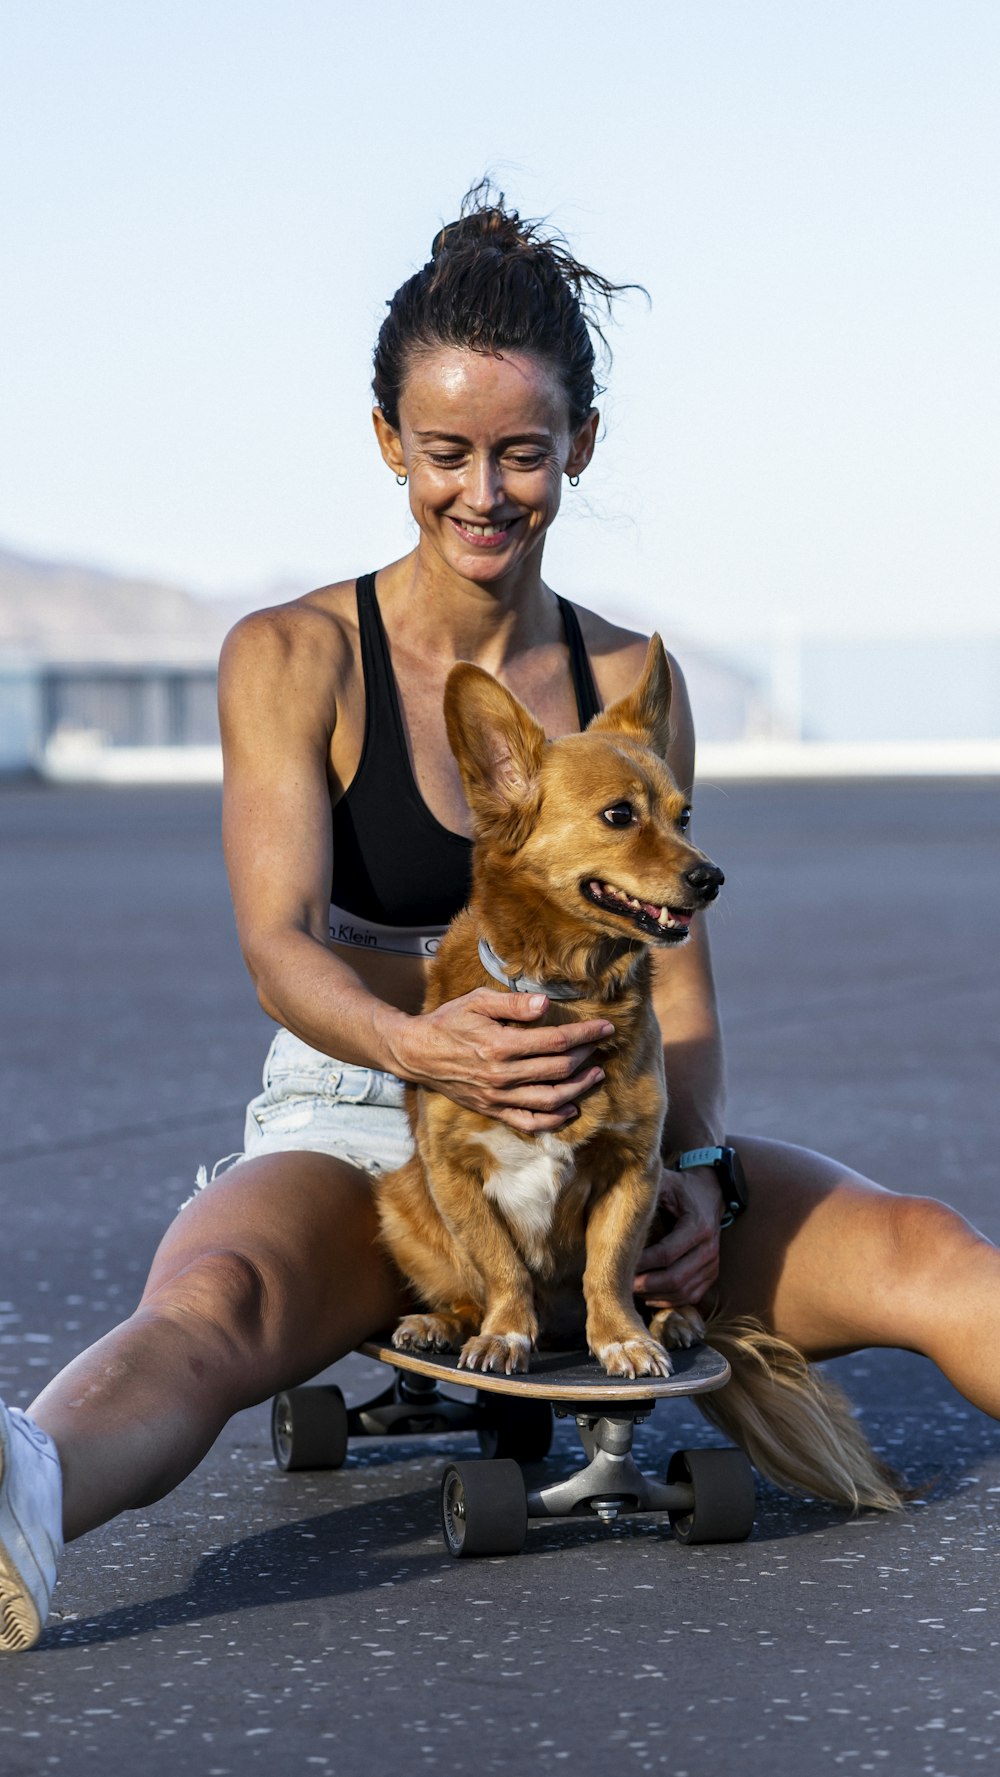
484	1508
518	1429
724	1500
309	1428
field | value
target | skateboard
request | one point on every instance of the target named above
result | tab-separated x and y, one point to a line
486	1506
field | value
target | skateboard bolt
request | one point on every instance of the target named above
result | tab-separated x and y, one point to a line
607	1509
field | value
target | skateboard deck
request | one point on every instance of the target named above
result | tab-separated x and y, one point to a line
565	1375
486	1505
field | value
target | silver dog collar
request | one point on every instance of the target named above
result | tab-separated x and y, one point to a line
553	990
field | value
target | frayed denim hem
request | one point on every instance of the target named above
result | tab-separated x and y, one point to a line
203	1177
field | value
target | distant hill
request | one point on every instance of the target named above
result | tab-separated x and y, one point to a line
55	613
63	612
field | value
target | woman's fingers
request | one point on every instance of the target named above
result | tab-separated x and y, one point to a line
553	1070
686	1238
538	1096
675	1275
511	1011
487	1051
540	1067
669	1291
685	1263
535	1122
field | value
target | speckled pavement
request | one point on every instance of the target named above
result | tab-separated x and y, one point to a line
314	1623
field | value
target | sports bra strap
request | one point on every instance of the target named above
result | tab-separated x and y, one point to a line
588	704
380	680
381	696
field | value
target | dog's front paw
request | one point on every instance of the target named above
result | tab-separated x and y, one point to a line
678	1327
638	1355
496	1351
426	1332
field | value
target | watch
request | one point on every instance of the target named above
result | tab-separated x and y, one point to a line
729	1172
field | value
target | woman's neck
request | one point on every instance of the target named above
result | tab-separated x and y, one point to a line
461	620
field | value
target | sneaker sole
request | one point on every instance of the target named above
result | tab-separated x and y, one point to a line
20	1623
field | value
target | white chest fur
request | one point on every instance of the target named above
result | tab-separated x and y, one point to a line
525	1181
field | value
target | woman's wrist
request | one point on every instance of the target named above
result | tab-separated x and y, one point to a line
393	1031
702	1135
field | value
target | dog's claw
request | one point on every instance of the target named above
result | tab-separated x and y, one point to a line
678	1327
496	1351
423	1332
634	1357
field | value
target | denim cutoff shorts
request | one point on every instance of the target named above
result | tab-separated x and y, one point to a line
315	1104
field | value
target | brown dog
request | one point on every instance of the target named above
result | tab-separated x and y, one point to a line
581	864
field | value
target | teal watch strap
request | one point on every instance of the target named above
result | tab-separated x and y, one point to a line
726	1165
698	1157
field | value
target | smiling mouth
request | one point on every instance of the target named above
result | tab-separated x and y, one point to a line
483	536
668	925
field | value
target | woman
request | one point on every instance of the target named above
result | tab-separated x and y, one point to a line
484	386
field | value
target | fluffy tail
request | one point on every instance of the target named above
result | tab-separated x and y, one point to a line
796	1428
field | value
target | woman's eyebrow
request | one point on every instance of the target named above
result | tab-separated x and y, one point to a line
515	437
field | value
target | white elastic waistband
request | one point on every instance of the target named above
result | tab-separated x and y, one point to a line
350	928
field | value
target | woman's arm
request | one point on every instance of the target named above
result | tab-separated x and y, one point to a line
683	988
281	676
684	998
684	1264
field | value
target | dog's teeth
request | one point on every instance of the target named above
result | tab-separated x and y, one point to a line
663	917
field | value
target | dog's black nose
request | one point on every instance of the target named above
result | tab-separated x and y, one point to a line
706	880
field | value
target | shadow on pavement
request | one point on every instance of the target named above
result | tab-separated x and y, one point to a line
312	1558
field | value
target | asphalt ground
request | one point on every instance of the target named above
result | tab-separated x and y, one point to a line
314	1621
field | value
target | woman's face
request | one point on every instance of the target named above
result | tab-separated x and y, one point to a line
485	442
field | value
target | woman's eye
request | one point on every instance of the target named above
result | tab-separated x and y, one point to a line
443	462
526	462
620	814
684	819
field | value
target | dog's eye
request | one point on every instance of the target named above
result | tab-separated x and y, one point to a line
684	819
620	814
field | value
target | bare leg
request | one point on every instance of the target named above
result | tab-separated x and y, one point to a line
832	1262
267	1277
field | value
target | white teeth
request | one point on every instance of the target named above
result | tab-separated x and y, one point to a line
482	530
606	891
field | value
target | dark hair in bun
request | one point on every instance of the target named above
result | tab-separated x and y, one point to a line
495	283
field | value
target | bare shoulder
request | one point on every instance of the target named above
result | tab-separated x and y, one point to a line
307	649
616	656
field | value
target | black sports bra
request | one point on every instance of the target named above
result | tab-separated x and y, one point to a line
398	874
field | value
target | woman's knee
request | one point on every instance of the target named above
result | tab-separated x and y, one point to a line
220	1297
934	1272
927	1238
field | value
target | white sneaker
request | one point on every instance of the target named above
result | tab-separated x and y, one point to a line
30	1527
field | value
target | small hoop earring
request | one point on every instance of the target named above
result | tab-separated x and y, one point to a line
400	480
574	481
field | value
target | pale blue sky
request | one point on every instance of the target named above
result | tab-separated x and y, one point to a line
205	203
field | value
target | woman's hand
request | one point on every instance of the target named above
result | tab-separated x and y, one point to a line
684	1264
486	1051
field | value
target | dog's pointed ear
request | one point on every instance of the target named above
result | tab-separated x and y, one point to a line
499	746
645	711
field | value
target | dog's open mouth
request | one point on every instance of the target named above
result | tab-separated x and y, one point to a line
668	925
